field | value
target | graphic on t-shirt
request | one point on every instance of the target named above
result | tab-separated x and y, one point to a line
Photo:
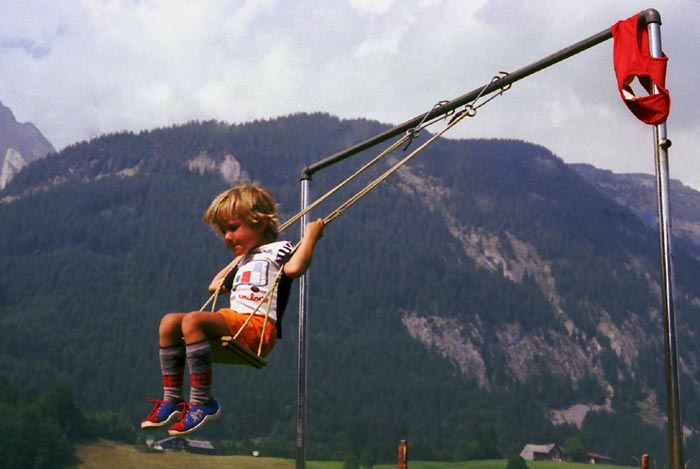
252	273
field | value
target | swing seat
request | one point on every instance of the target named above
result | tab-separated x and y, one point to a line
229	351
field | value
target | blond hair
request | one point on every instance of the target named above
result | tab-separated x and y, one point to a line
247	203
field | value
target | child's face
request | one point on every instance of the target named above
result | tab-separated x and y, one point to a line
240	237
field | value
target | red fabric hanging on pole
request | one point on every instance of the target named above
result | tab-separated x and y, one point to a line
632	60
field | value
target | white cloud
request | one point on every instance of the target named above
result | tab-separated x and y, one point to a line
375	7
78	68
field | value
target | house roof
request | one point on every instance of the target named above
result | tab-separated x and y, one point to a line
530	450
193	443
602	457
200	444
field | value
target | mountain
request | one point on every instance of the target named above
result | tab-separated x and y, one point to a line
484	297
20	144
638	193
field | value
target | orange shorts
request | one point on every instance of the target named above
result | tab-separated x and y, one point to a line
252	333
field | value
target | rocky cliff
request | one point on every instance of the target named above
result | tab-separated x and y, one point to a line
20	144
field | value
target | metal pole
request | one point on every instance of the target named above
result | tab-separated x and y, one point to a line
302	362
661	145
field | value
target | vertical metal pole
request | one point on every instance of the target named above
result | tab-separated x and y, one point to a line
661	145
301	357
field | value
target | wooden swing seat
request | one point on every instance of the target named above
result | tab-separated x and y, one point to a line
229	351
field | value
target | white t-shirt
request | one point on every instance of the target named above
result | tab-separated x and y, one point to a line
254	277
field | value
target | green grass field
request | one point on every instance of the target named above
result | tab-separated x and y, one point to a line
110	455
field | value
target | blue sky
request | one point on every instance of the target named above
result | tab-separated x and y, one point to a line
81	68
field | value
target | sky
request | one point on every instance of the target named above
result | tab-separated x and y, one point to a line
81	68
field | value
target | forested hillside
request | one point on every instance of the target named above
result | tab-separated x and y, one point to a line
461	305
637	191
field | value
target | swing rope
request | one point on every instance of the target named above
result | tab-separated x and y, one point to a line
469	110
339	211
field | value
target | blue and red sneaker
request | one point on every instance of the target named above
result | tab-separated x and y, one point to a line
194	416
163	413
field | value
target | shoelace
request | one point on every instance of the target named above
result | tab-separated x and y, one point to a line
155	409
184	409
181	406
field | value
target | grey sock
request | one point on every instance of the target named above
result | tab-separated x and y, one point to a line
199	361
172	366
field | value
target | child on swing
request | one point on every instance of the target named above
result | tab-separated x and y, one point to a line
246	217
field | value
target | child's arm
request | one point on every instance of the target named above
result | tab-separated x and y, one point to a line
300	261
218	280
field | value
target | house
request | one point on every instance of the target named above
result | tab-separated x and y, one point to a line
548	452
200	447
595	458
176	443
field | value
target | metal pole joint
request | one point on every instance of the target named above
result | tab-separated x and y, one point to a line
649	16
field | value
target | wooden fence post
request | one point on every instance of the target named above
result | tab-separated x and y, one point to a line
403	454
645	461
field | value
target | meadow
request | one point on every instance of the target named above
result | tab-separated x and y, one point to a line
110	455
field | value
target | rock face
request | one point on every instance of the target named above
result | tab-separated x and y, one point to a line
12	165
20	144
229	169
